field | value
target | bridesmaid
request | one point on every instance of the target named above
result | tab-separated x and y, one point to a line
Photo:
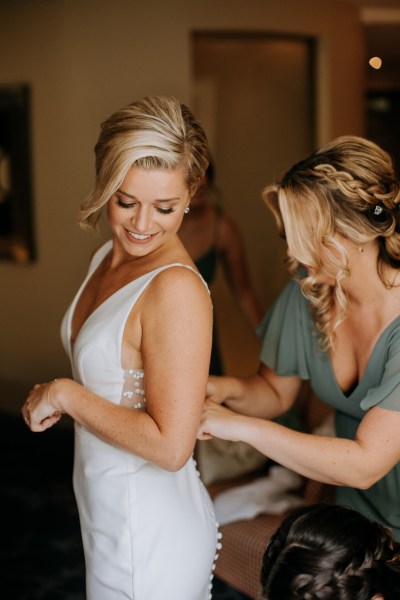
336	324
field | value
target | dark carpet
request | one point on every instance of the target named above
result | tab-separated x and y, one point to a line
41	553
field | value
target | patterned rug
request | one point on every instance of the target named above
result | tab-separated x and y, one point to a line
41	553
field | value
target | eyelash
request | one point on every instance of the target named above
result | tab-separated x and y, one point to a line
127	205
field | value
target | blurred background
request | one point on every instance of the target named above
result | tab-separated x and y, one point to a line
270	80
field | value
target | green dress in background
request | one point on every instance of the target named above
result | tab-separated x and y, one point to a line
290	348
207	266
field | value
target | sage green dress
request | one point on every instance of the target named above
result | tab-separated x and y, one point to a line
290	348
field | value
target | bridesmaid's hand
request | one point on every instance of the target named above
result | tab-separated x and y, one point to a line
218	389
218	421
38	412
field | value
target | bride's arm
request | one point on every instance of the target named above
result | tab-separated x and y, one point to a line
176	340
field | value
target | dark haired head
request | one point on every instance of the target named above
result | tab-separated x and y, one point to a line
330	552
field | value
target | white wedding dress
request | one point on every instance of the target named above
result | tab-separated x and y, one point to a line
148	534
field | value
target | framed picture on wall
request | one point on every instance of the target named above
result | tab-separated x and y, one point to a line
16	211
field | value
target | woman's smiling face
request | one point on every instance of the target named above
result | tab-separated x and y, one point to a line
147	209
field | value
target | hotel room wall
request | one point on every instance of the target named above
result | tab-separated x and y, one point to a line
83	59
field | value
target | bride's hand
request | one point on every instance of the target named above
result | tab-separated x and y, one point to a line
38	412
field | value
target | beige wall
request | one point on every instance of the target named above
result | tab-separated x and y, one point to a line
85	58
254	95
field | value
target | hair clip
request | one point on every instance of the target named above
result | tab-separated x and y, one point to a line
379	213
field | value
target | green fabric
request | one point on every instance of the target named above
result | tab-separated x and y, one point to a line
290	348
207	265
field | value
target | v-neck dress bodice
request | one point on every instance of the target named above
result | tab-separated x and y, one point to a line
290	348
147	533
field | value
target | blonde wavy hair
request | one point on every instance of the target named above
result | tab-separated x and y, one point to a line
348	187
154	133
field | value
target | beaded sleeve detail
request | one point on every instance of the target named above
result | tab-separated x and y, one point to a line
133	389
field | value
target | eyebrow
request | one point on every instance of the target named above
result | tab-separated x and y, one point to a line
156	200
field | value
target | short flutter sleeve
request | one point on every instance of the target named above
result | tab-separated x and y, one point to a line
286	330
386	362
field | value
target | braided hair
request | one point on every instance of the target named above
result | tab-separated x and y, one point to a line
348	187
330	552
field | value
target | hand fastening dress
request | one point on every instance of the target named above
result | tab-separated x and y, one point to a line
148	534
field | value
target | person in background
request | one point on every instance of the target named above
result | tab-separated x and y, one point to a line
212	238
214	241
330	552
335	324
147	522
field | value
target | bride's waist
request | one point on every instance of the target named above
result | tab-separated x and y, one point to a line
93	449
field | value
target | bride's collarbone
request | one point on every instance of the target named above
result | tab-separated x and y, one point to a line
111	280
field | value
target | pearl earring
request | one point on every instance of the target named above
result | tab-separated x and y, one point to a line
186	210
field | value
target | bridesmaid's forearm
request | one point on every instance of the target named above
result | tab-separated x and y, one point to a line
254	397
331	460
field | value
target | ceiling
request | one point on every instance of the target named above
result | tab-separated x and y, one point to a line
376	3
384	40
381	19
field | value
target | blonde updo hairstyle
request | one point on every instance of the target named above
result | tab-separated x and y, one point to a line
348	187
154	133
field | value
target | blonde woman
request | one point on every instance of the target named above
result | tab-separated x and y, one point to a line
337	324
139	380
